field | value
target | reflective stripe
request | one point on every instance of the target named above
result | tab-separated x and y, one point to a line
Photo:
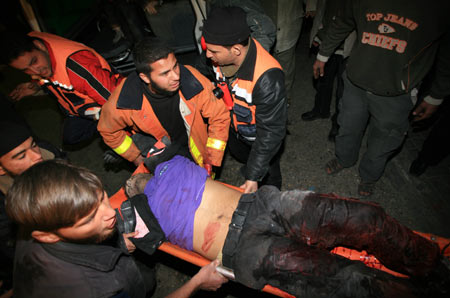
216	144
195	152
124	146
242	93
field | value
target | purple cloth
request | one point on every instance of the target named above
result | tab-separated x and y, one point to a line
174	194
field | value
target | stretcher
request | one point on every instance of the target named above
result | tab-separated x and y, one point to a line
196	259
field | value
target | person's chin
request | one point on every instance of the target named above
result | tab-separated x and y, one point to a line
174	87
46	73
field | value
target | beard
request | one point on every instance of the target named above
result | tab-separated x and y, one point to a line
161	91
95	239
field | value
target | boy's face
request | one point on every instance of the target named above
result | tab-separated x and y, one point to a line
93	228
20	158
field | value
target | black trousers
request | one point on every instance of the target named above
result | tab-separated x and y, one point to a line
324	85
240	150
287	236
77	130
436	147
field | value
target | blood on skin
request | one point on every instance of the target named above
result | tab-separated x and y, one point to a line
209	235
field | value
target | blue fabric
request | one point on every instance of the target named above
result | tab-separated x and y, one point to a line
174	194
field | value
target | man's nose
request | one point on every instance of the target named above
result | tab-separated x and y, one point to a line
35	154
32	70
175	75
208	54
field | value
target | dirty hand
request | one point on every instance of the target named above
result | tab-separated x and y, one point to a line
423	111
208	278
24	89
318	68
249	186
130	246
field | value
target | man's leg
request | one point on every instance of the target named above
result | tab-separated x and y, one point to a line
78	129
307	271
241	151
324	94
287	62
436	147
269	252
238	149
327	222
339	92
387	129
325	86
352	119
273	176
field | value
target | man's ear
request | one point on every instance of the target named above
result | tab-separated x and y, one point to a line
2	171
236	49
45	237
144	78
41	46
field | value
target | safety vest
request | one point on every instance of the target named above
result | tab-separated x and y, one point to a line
72	101
243	112
139	115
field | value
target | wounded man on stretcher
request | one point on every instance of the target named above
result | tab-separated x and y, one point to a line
283	238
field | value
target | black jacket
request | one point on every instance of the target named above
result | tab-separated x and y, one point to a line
269	97
74	270
397	43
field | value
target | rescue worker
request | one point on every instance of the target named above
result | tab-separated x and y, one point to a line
256	82
165	100
77	75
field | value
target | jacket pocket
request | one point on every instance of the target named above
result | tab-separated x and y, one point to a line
243	114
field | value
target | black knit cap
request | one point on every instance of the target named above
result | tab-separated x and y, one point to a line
12	134
226	26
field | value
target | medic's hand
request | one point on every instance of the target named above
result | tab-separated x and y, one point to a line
24	89
423	111
318	68
208	278
249	186
130	246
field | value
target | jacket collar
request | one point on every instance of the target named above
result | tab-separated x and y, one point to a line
130	96
189	85
247	68
96	256
132	92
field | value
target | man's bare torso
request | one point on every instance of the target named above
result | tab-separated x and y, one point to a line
213	217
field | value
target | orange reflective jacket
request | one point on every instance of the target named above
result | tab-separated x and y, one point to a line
72	101
206	141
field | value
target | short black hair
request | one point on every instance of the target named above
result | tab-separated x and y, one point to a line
147	51
14	45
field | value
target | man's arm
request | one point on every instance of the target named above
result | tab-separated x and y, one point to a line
337	32
218	117
25	89
271	114
441	84
112	126
206	279
89	77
